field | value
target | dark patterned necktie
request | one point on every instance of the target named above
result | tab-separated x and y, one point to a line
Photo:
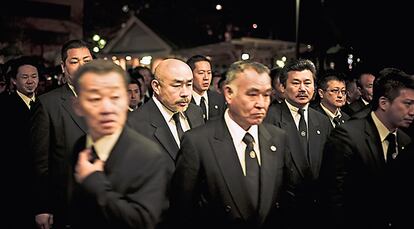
337	121
203	108
303	132
252	169
392	151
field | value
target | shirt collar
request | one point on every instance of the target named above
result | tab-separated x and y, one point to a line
26	99
382	129
72	88
237	132
197	97
329	113
104	145
165	112
294	110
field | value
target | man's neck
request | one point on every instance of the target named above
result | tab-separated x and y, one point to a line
382	116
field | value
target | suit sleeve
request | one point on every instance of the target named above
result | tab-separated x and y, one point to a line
143	203
39	145
184	193
337	155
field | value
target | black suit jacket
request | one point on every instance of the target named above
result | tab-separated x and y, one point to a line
363	190
344	117
303	196
208	189
130	192
149	121
55	129
354	107
216	105
17	158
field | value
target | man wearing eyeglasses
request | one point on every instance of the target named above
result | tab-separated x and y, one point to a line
332	94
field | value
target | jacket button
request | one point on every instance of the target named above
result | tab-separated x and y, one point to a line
228	208
277	205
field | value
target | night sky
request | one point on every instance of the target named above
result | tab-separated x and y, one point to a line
379	33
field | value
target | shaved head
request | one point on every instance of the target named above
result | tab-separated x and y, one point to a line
172	84
170	67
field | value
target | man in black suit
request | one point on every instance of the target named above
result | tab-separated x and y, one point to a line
230	172
121	175
211	103
332	94
55	128
364	160
172	88
16	108
307	130
365	84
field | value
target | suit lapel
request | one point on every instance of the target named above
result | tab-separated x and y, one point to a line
118	151
267	172
162	131
228	161
315	151
373	141
299	157
194	118
67	96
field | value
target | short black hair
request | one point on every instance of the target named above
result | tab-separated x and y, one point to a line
329	76
275	74
196	58
23	60
389	84
73	44
297	65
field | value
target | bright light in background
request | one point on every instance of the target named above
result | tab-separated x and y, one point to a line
128	58
95	49
101	43
254	26
96	37
283	58
219	7
280	63
245	56
125	8
146	60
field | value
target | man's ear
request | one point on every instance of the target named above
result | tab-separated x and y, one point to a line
155	86
76	106
62	66
384	102
228	93
13	81
320	92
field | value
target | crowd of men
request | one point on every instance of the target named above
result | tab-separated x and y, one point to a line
274	148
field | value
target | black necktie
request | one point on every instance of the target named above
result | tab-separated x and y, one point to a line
31	104
391	152
303	136
180	131
203	108
337	120
94	156
252	170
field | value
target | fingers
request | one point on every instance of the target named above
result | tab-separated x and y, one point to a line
84	155
99	165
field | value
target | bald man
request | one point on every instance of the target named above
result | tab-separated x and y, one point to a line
169	109
172	86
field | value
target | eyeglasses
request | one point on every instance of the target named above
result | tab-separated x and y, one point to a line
337	91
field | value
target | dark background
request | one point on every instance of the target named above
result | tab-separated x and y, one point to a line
378	32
